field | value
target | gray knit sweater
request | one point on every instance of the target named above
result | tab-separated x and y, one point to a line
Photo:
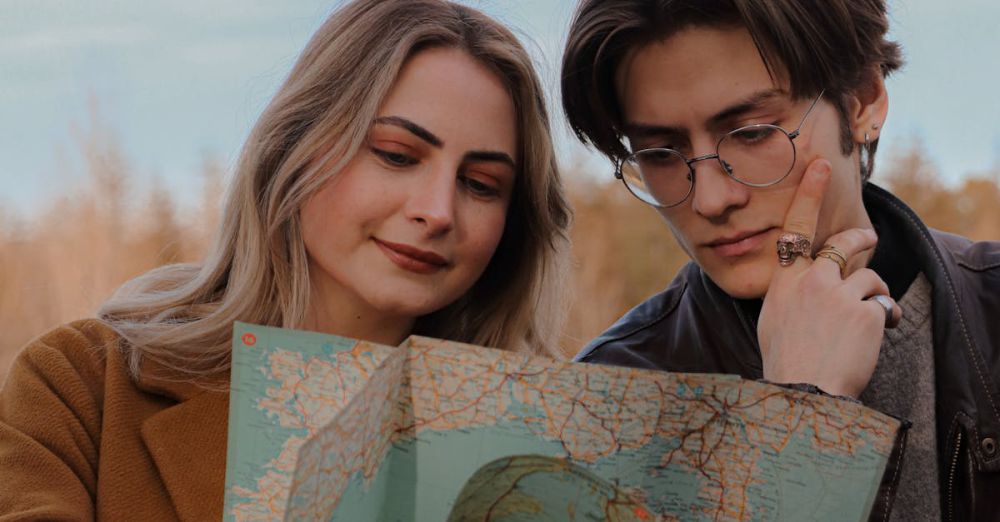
903	385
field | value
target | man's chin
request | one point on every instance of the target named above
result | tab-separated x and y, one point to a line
744	283
747	293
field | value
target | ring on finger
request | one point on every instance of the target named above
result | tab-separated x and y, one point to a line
886	303
791	246
834	254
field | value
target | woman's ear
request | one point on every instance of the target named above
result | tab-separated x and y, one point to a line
867	108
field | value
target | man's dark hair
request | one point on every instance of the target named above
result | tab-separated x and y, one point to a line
831	45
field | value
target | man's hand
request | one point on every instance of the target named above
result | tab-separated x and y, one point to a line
817	326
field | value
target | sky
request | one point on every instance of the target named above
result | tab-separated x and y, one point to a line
179	81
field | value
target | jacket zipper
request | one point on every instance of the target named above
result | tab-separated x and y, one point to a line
951	476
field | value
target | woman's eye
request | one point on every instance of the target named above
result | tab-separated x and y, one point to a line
479	188
395	159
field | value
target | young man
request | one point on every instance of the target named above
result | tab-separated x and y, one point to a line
750	124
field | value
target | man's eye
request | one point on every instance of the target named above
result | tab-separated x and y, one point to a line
478	188
659	155
756	134
680	146
395	159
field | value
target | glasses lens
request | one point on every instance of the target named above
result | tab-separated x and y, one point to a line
657	176
758	155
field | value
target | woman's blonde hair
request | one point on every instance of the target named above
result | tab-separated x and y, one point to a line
182	316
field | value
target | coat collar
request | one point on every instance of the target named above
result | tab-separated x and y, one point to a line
966	388
187	441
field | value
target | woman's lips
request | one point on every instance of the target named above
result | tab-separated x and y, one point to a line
739	245
411	258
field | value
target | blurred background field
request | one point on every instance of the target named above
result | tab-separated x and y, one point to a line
60	263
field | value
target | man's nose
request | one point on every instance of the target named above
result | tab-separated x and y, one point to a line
432	201
715	192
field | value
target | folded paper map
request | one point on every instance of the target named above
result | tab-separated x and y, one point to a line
327	428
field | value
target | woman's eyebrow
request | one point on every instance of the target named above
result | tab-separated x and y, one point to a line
429	137
415	129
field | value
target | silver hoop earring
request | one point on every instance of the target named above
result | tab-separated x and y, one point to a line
864	159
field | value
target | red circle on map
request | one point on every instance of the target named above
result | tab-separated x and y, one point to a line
249	339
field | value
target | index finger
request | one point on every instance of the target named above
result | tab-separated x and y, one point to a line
803	213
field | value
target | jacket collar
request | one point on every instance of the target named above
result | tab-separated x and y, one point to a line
969	389
187	441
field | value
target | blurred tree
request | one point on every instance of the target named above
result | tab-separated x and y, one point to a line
84	244
101	208
162	235
979	201
913	177
971	210
623	253
204	222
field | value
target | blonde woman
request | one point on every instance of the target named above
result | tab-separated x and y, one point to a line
401	181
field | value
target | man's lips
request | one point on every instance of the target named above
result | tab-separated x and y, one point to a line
740	243
411	258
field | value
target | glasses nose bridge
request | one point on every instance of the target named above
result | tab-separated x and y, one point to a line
726	168
703	157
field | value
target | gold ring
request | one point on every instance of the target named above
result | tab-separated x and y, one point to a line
835	258
834	254
835	251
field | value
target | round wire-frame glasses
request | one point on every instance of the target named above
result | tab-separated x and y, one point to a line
758	155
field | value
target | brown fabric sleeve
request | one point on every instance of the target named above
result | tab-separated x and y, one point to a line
50	426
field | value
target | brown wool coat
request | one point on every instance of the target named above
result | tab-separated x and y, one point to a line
79	440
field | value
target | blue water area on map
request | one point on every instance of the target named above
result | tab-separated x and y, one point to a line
814	485
666	489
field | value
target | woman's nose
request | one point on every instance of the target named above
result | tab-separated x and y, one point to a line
432	201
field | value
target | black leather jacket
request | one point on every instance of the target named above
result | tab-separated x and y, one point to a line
693	326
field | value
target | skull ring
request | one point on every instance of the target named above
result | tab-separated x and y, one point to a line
791	245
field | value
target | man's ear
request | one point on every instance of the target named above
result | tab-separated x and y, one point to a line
867	108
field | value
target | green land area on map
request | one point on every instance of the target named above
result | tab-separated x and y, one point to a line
327	428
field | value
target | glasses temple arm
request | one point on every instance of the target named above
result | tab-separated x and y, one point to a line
795	133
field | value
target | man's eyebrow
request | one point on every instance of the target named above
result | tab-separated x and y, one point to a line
646	130
415	129
636	130
488	155
747	104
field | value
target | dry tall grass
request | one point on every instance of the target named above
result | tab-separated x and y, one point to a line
62	264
